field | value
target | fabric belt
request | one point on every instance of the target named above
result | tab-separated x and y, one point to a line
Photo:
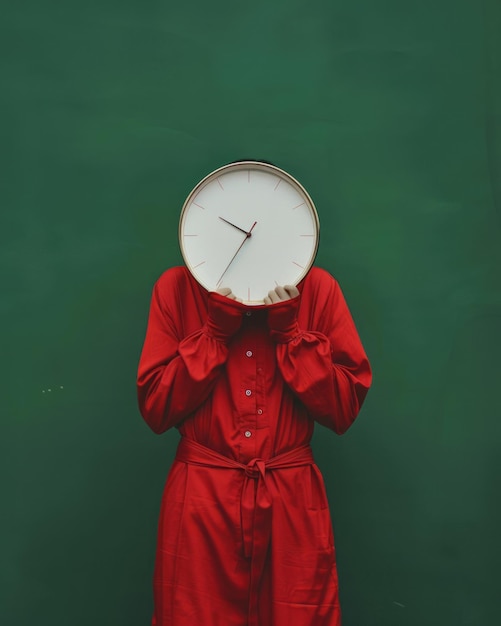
255	503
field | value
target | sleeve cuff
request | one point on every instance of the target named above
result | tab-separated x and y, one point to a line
282	320
224	317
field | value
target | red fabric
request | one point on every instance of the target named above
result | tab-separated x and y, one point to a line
247	383
255	504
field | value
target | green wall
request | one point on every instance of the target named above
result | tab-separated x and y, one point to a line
388	111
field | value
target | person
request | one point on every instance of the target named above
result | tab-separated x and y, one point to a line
245	535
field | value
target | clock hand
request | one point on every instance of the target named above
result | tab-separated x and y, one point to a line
247	235
237	227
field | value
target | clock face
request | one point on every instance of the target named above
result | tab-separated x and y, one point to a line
248	226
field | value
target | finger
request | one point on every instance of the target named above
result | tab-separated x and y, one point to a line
273	296
291	290
267	300
224	291
281	293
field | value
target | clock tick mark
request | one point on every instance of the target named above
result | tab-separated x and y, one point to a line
190	235
198	264
306	235
199	205
219	183
301	266
248	176
276	186
298	205
248	294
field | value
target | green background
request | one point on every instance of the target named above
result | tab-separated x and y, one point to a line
388	111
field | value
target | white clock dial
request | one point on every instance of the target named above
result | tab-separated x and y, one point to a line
249	226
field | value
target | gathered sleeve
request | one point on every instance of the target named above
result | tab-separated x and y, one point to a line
176	373
320	355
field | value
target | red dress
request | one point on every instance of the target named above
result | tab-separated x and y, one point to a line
245	535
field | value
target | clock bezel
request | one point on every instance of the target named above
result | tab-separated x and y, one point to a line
249	165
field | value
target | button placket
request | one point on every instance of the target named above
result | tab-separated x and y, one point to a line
249	351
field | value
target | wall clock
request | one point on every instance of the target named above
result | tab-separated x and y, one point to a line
249	226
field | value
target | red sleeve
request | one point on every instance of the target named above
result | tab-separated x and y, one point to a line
320	354
176	374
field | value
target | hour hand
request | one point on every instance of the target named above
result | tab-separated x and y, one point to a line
237	227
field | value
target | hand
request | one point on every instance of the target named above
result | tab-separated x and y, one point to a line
247	236
279	294
226	291
237	227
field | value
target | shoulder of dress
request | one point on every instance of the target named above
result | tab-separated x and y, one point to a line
173	277
176	288
318	277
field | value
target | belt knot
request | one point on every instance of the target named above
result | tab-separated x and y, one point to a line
255	468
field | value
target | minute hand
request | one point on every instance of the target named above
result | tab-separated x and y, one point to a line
247	235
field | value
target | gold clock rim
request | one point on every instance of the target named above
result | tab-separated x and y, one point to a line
246	165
